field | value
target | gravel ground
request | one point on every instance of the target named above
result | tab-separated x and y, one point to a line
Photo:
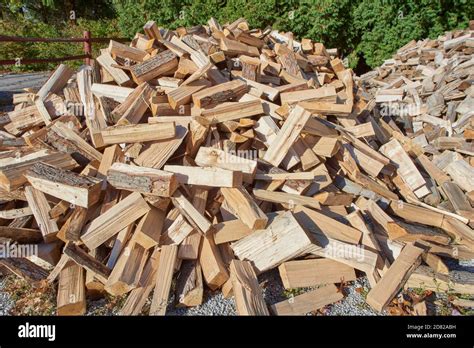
5	302
216	304
462	265
273	292
353	303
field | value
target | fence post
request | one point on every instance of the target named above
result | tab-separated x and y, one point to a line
87	46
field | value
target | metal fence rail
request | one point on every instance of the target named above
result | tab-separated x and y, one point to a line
87	40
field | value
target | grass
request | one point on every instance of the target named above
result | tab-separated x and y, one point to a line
41	301
363	291
29	300
444	307
420	291
289	293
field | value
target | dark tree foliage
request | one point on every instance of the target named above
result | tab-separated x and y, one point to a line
365	31
383	26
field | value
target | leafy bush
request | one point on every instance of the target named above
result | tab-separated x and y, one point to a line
384	26
41	50
328	21
132	15
365	31
259	13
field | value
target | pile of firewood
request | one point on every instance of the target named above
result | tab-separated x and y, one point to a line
207	156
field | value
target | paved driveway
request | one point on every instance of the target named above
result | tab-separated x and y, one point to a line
14	83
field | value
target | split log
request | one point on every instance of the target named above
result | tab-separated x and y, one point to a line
71	291
406	169
205	176
12	171
229	91
134	106
248	295
308	302
287	136
160	64
138	296
210	157
189	289
233	111
193	216
230	231
107	62
148	230
25	269
394	279
164	276
243	205
140	179
74	188
460	282
40	207
126	52
282	240
138	133
306	273
127	270
56	81
83	259
214	271
71	229
21	235
114	220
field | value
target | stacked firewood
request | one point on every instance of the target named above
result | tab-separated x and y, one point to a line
209	155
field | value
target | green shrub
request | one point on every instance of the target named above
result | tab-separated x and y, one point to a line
365	31
42	50
384	26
